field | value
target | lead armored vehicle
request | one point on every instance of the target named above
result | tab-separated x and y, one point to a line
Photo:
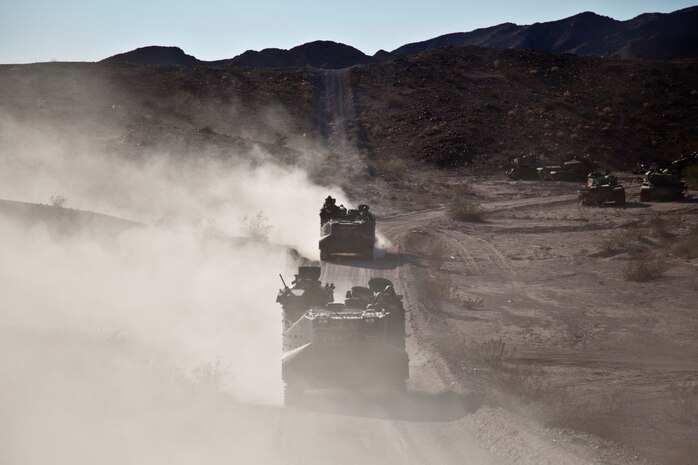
357	344
345	231
601	188
662	186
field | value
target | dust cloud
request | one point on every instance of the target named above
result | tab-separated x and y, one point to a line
154	341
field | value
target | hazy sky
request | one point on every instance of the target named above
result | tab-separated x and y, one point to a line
80	30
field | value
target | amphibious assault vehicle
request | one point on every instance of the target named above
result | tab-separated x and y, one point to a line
601	188
662	186
575	170
524	167
345	231
356	344
681	166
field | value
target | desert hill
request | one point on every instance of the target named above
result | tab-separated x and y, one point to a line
155	55
651	35
318	54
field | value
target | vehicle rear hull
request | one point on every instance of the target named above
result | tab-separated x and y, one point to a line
324	366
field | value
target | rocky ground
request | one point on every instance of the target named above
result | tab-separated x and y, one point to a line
547	308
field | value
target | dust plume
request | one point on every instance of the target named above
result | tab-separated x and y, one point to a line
117	341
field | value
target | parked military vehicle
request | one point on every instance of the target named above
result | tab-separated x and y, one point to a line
345	231
681	166
662	186
601	188
524	167
574	170
357	344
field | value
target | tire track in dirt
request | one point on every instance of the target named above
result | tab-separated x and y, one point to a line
501	205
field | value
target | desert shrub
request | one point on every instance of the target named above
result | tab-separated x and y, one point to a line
462	188
603	416
492	352
210	376
280	138
684	401
645	268
528	388
527	383
453	346
663	226
58	201
438	289
423	199
614	241
465	210
471	303
186	103
687	245
256	227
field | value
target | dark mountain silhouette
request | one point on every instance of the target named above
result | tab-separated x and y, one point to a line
651	35
154	55
318	54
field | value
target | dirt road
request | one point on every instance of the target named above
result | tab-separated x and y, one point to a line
439	420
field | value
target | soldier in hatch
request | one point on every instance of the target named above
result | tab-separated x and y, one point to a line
329	210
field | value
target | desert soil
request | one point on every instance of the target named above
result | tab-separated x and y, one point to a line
550	291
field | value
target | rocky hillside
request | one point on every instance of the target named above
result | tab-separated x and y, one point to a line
478	106
464	107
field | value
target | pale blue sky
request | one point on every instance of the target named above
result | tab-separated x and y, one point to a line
79	30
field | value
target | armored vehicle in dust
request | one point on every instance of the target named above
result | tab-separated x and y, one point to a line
524	167
575	170
662	187
601	188
357	344
346	232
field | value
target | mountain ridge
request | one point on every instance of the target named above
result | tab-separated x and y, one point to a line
649	35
